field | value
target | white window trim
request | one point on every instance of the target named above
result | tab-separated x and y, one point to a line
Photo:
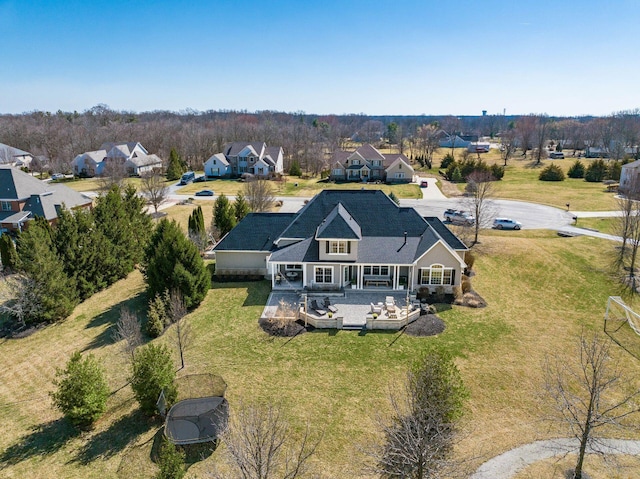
323	268
428	272
337	244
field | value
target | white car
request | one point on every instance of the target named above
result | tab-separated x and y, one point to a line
506	224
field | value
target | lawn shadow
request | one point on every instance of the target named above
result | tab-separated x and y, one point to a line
136	304
45	439
192	452
116	438
257	293
622	334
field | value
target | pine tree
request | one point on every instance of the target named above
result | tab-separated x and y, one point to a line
223	215
157	318
175	168
53	290
80	246
8	253
394	198
174	262
153	373
196	229
240	207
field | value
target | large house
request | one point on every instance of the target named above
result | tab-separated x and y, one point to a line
358	239
14	156
132	156
368	164
23	197
242	157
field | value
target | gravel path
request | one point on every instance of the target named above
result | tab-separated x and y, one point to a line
508	464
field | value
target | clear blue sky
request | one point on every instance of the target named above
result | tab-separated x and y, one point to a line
400	57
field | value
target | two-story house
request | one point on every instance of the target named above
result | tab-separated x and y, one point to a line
368	164
242	157
132	156
358	239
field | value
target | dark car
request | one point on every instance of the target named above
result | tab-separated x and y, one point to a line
199	179
204	193
424	184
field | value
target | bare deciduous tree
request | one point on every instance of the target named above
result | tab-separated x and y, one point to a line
589	392
177	312
128	330
628	227
19	298
113	173
259	195
259	445
154	188
424	425
480	188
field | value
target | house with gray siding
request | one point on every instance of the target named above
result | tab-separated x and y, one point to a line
368	164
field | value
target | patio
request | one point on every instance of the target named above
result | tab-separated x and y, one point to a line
353	309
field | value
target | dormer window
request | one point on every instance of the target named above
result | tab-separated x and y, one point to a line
355	162
339	247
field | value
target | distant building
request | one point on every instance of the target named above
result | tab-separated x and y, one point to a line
132	156
243	157
368	164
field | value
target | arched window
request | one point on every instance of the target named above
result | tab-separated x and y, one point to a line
436	274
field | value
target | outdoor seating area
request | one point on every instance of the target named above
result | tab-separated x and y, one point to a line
349	310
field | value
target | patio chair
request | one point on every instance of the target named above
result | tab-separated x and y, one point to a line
376	309
316	308
389	302
327	305
278	278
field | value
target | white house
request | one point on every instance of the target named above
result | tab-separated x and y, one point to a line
255	158
133	156
217	166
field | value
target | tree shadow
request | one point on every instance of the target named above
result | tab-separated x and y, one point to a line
192	452
116	438
45	439
257	293
137	304
622	334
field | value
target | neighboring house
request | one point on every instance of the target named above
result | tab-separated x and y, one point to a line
630	178
456	141
217	167
368	164
23	197
132	156
14	156
358	239
243	157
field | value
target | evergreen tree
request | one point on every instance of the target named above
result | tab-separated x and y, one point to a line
82	390
174	262
171	462
153	372
8	253
240	207
175	168
196	229
80	246
394	198
596	171
576	170
223	215
157	317
53	290
294	169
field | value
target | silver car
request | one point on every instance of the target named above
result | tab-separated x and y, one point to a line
506	224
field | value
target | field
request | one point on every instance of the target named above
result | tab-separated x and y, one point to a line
338	382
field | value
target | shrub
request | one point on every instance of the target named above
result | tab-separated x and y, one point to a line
456	175
614	170
394	198
497	171
457	292
157	316
294	169
576	170
552	173
470	259
82	390
153	372
171	462
596	171
447	160
440	294
423	292
465	284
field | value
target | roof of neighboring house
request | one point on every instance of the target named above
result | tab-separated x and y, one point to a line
124	147
43	199
340	156
233	149
633	164
339	224
273	152
97	156
8	153
256	232
368	152
145	160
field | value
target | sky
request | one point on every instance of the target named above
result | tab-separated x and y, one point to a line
377	57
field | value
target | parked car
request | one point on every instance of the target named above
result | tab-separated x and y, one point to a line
459	217
57	176
424	184
506	224
199	179
204	193
556	155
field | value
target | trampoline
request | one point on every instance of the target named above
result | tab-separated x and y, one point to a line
194	421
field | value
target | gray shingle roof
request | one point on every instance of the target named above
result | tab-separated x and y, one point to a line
445	233
43	199
256	232
368	152
339	224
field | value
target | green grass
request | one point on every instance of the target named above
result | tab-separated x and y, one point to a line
604	225
541	289
305	187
